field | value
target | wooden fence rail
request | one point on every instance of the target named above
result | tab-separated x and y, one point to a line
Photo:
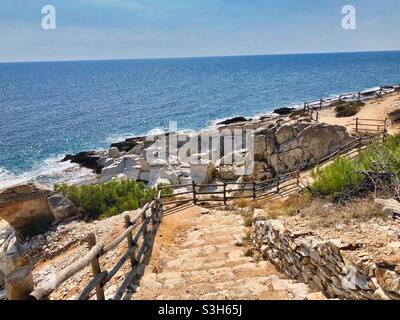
310	106
261	189
138	246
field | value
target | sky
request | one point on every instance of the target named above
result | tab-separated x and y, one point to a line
125	29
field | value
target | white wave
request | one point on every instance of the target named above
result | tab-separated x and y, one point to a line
48	172
118	138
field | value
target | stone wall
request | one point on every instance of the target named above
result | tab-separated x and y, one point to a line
336	269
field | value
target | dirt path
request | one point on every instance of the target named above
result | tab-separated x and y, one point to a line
199	255
374	109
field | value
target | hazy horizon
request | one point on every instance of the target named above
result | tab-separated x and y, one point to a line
200	57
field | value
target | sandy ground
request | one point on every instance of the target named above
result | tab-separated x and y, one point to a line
374	109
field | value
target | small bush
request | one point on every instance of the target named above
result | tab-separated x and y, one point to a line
343	175
107	199
248	220
336	178
348	109
249	253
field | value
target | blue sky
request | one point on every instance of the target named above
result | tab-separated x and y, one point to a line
118	29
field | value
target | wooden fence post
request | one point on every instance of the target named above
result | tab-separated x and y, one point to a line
254	190
194	192
159	210
154	214
130	240
277	184
19	284
224	193
385	131
91	239
145	227
357	124
298	179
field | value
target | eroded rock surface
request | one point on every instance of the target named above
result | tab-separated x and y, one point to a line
26	209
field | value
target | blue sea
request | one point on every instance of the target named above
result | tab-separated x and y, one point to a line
49	109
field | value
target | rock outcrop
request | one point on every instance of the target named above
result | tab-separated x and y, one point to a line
128	144
87	159
10	258
295	145
26	209
61	208
202	172
284	111
233	120
394	115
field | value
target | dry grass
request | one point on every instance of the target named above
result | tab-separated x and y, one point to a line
323	213
287	207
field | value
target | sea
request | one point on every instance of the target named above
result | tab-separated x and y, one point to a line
49	109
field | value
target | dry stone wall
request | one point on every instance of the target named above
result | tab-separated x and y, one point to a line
336	269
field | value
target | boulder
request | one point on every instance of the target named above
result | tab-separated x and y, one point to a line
10	257
388	280
138	149
114	153
168	173
26	209
233	120
284	111
202	172
62	208
128	144
394	115
285	133
128	165
390	207
227	173
87	159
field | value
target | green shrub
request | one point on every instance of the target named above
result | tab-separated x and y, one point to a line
107	199
344	174
336	178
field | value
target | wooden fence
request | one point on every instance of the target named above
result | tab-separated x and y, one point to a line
370	126
226	191
281	185
350	97
138	246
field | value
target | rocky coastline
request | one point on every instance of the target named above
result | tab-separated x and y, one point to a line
289	140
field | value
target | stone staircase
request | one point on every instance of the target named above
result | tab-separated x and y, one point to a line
198	254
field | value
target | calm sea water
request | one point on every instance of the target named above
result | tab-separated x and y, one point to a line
53	108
